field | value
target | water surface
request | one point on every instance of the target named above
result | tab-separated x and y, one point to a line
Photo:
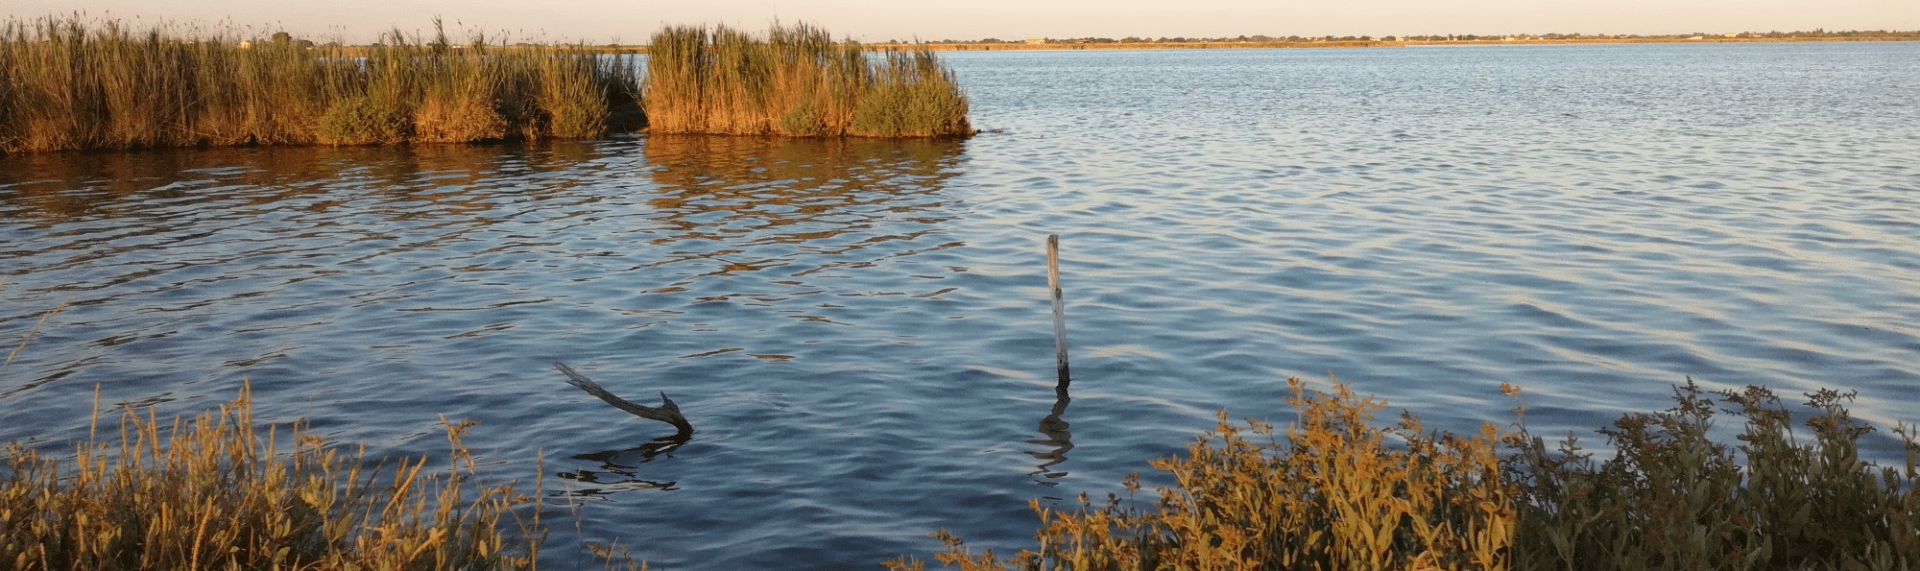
859	329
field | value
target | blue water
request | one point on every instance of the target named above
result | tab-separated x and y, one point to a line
859	330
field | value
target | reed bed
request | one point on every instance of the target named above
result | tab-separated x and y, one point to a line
75	84
1340	493
797	81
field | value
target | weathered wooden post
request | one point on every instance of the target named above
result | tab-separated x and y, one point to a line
1059	308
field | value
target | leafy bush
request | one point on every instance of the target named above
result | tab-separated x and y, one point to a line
1339	493
1670	498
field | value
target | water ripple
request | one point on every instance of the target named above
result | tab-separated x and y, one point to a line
859	329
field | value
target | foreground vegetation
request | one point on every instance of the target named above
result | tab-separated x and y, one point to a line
796	81
1339	493
73	84
1336	492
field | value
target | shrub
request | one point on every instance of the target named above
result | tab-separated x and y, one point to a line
1341	494
1670	498
1336	494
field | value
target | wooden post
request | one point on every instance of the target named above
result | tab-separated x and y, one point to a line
1059	308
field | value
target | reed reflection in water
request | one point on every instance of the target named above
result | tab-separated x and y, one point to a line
813	208
713	187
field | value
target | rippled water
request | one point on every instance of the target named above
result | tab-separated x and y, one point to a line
859	329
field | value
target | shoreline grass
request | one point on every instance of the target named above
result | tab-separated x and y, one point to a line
1330	491
796	81
80	85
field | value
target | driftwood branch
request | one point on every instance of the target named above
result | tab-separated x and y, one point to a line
667	411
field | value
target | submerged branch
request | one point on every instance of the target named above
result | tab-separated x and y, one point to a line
667	411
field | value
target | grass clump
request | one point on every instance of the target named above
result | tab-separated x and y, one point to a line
1339	493
215	493
796	81
75	84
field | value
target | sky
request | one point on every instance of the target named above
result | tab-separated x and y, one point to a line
632	21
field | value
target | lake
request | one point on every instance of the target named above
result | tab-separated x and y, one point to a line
860	330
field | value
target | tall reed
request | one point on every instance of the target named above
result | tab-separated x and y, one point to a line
215	493
75	84
796	81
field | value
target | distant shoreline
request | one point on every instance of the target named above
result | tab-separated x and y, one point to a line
1337	43
1073	45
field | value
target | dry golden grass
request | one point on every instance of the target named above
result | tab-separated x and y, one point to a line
74	84
215	493
796	82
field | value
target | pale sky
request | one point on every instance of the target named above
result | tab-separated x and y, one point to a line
632	21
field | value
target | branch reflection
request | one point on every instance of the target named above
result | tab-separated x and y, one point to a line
619	470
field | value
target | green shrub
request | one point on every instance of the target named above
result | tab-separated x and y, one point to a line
1341	494
1670	498
1336	494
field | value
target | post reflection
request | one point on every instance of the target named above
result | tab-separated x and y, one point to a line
1058	441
